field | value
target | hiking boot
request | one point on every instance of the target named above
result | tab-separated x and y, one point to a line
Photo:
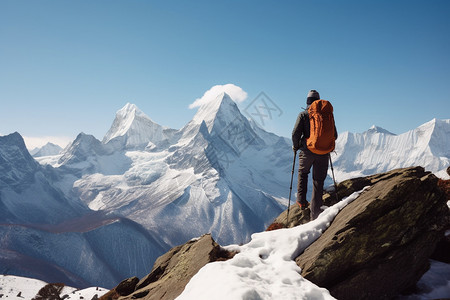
303	205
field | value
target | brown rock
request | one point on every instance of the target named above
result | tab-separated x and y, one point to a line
173	270
296	217
127	286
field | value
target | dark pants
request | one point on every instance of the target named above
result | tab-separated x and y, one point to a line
319	163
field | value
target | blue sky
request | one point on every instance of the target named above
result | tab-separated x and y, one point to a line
67	66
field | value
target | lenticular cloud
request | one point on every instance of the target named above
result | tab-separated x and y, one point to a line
235	92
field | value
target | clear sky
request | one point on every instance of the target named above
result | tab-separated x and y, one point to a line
67	66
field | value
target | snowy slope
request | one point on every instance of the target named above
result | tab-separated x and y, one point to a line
378	150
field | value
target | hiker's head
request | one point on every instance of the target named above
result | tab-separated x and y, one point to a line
313	95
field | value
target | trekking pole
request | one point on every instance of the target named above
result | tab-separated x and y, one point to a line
334	180
290	188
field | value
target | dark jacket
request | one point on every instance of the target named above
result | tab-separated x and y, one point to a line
301	131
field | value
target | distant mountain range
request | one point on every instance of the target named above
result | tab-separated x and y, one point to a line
46	150
154	187
377	150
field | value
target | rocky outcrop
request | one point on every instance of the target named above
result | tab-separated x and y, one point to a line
173	270
379	245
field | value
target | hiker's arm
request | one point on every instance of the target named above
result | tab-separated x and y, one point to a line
335	132
297	133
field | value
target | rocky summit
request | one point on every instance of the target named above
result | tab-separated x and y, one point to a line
377	247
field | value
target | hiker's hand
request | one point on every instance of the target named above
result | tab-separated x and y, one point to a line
294	149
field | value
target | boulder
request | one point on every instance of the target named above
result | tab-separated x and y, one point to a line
127	286
442	252
379	245
173	270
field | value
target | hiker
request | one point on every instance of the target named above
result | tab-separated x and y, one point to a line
302	138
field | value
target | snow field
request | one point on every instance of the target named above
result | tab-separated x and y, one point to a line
264	267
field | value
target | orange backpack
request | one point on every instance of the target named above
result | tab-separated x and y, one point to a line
321	121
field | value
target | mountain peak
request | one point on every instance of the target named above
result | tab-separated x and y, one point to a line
16	163
222	104
46	150
134	129
222	119
377	129
130	109
84	146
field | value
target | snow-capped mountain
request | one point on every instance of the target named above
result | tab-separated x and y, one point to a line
27	194
219	174
377	150
205	181
47	234
209	180
377	129
46	150
132	129
87	155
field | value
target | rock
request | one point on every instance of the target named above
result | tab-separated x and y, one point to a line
379	245
173	270
296	217
444	185
127	286
50	291
442	251
139	295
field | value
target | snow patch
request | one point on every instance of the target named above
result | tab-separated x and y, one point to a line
20	288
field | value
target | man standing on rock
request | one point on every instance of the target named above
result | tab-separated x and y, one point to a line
314	134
